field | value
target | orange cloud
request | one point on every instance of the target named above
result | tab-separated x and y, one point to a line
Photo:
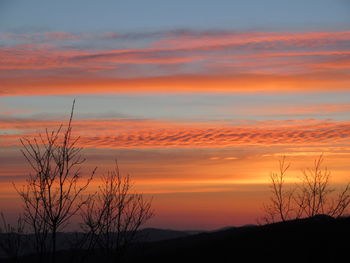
50	58
214	137
153	134
174	84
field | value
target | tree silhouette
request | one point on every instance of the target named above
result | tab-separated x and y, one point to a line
281	198
52	192
313	195
113	215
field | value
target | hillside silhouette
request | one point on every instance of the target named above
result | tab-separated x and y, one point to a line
317	239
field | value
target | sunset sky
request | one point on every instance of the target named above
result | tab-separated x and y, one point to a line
196	99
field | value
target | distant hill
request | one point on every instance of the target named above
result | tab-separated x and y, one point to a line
155	234
67	240
318	239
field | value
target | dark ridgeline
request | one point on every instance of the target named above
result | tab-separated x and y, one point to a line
317	239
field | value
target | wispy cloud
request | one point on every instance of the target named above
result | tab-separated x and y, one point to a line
287	110
174	61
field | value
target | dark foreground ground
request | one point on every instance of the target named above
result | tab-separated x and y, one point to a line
318	239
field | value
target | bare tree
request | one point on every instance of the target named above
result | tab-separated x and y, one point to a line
52	193
12	238
339	206
280	205
313	195
112	217
35	216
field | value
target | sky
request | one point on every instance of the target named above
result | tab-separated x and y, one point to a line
198	100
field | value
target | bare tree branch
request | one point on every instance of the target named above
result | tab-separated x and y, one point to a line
114	214
312	196
52	191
